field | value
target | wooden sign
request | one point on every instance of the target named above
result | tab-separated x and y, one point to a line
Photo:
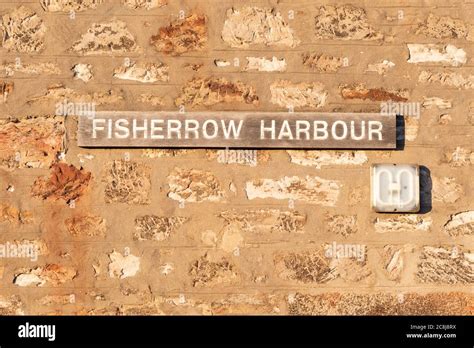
313	130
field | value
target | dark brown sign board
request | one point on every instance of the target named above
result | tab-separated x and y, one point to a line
315	130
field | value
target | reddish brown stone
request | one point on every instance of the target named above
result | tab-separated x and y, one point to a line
66	182
374	94
181	36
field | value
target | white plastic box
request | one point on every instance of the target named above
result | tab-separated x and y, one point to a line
395	188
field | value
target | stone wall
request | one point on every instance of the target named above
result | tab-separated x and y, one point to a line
154	231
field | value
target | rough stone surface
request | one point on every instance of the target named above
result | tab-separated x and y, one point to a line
264	64
210	91
459	157
403	223
127	182
151	99
144	4
11	214
343	225
152	227
460	224
443	27
322	62
287	94
51	300
86	226
65	182
444	119
69	5
311	189
393	262
123	266
59	93
265	221
446	190
82	72
316	267
221	63
11	305
106	38
208	271
375	94
194	186
181	36
440	103
344	23
253	25
447	78
381	68
430	53
320	158
380	303
306	267
32	142
146	73
51	275
450	265
9	69
22	30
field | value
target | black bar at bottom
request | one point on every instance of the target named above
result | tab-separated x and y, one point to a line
226	330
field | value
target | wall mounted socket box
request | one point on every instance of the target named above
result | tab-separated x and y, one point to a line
395	188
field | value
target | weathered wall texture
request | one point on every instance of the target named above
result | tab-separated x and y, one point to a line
166	232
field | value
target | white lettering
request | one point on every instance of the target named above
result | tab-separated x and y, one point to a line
137	128
231	128
285	131
318	130
37	331
156	126
109	129
95	126
264	129
375	127
334	130
362	131
188	128
205	131
174	126
124	129
300	129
